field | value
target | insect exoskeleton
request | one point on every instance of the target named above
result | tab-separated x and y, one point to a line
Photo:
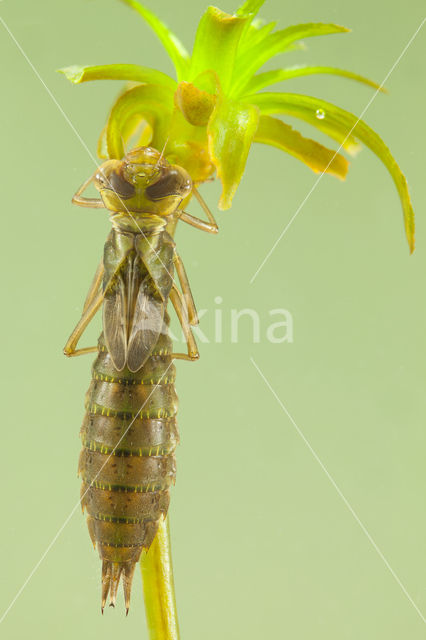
143	182
129	432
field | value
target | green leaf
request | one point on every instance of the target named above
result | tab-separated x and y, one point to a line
249	10
102	149
132	127
207	81
134	72
318	158
275	43
262	80
307	108
216	43
231	130
151	103
256	32
292	105
250	7
174	47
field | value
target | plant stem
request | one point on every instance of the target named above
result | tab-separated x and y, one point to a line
158	587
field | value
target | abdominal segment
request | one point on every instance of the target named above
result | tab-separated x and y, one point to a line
127	463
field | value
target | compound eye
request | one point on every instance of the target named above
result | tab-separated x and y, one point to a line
100	179
172	183
117	183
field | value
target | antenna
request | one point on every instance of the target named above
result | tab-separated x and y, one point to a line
162	152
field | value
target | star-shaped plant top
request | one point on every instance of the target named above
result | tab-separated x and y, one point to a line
210	115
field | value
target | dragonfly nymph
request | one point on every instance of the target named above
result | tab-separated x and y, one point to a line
129	432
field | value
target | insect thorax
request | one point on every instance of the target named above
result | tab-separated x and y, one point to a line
139	223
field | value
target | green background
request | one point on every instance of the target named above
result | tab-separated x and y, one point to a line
264	546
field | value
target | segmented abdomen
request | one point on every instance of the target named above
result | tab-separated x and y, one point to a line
127	463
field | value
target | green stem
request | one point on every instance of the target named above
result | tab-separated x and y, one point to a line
158	587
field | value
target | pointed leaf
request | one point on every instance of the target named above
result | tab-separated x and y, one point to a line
249	10
275	43
149	102
126	132
255	33
318	158
216	43
308	108
262	80
174	47
133	72
231	130
290	104
250	7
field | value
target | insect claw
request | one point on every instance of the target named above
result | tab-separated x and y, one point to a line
127	611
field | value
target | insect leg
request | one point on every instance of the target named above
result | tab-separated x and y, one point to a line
186	290
81	201
211	226
70	347
94	287
182	314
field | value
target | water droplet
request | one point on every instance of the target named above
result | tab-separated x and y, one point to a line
320	114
